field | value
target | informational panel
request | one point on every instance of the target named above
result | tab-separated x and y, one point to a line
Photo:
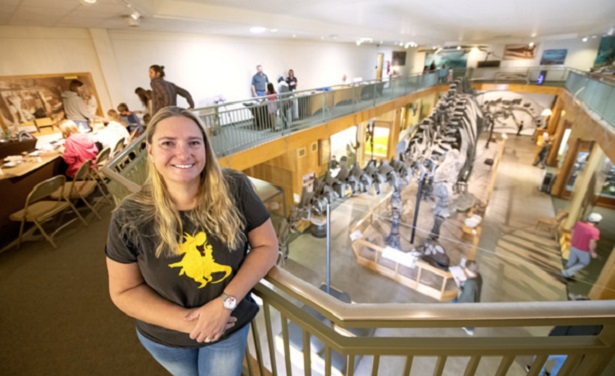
25	98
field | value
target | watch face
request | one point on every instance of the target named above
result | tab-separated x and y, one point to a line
230	303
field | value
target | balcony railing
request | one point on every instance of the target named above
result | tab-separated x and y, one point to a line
303	330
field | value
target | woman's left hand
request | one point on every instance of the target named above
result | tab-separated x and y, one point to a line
212	321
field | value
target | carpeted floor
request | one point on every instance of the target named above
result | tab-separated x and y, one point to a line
56	317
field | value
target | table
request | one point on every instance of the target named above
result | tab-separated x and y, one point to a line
16	147
15	185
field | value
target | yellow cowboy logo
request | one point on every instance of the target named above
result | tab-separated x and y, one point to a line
198	262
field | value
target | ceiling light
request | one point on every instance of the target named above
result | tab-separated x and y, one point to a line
584	39
257	29
135	15
546	112
611	31
531	44
458	47
274	30
88	2
594	36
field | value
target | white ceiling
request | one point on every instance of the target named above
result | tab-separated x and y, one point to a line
432	22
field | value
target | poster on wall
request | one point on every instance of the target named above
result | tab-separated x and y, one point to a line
606	52
450	59
519	51
25	98
553	57
399	58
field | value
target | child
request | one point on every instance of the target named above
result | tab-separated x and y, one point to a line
130	119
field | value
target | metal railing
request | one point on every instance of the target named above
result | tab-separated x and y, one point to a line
597	94
303	330
236	126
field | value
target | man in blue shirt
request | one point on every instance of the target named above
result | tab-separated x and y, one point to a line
259	82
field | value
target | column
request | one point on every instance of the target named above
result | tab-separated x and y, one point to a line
575	210
604	288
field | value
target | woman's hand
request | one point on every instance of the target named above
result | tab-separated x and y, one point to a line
212	321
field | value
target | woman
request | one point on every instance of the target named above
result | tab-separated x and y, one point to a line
145	96
177	252
291	80
78	147
164	93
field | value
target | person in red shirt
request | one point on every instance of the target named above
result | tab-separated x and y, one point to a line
78	147
584	237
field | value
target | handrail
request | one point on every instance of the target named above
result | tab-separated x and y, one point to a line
431	315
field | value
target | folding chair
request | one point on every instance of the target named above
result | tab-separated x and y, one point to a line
101	159
38	210
80	188
119	146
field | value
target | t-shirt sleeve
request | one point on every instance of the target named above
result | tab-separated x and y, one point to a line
595	234
118	248
248	201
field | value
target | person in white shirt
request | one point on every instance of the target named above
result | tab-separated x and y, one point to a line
113	132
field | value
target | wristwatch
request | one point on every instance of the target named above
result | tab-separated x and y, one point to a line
230	302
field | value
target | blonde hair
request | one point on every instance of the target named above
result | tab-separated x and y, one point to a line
215	208
113	115
68	127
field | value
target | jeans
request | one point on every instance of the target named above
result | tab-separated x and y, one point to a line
577	260
223	358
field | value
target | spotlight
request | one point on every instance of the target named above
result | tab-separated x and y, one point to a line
133	22
257	29
88	2
584	39
135	15
531	44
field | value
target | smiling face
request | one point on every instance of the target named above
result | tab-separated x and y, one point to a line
177	150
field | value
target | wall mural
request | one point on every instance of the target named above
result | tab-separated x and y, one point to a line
606	52
553	57
449	58
25	98
519	51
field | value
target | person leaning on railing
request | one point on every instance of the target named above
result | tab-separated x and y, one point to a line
177	252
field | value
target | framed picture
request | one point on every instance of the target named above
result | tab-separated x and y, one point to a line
519	51
25	98
553	57
324	151
399	58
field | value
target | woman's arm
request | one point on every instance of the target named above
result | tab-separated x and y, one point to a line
212	317
134	297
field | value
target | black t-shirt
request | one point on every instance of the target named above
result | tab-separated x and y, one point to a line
201	270
292	83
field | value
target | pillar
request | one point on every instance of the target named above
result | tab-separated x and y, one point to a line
581	185
604	288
